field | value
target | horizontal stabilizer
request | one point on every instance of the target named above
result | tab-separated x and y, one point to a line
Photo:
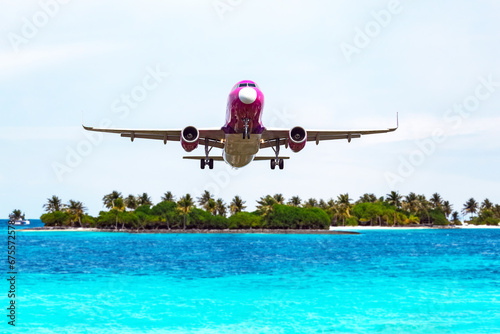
199	157
269	158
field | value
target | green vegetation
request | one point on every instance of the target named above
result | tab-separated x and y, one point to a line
489	214
272	212
16	215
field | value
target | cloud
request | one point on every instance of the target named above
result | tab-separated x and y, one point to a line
33	59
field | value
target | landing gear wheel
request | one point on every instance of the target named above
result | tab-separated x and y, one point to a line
211	163
202	163
281	163
273	164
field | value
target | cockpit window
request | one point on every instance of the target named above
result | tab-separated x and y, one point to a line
251	85
243	85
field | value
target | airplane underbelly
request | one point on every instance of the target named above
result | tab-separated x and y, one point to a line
239	152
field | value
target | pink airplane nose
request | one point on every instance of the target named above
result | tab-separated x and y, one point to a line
247	95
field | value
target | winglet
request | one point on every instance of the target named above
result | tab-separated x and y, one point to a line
82	121
86	127
397	123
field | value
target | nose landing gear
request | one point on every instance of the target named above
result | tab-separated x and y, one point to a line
246	131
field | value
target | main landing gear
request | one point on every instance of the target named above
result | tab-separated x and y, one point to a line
246	131
207	161
277	160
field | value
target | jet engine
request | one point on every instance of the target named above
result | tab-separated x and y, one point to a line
190	137
297	138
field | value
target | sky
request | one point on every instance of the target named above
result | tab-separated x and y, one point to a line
333	65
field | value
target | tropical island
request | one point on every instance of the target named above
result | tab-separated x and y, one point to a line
273	213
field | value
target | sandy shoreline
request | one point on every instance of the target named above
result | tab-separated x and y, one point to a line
332	230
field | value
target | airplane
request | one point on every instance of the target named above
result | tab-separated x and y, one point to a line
243	134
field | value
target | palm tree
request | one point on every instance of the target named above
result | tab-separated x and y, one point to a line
367	198
331	207
394	198
16	215
423	206
117	208
343	206
279	199
322	204
118	204
436	201
265	205
220	207
168	197
294	201
130	202
204	199
410	203
496	211
310	203
447	208
53	204
185	205
76	210
344	199
470	207
109	198
144	199
211	206
342	213
454	217
411	220
487	205
237	205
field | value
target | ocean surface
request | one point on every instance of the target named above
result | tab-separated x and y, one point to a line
412	281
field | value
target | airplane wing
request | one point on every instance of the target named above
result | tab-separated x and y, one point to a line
270	136
211	136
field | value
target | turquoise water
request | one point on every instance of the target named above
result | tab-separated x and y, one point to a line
419	281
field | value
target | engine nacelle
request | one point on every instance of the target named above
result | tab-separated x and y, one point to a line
297	138
190	137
